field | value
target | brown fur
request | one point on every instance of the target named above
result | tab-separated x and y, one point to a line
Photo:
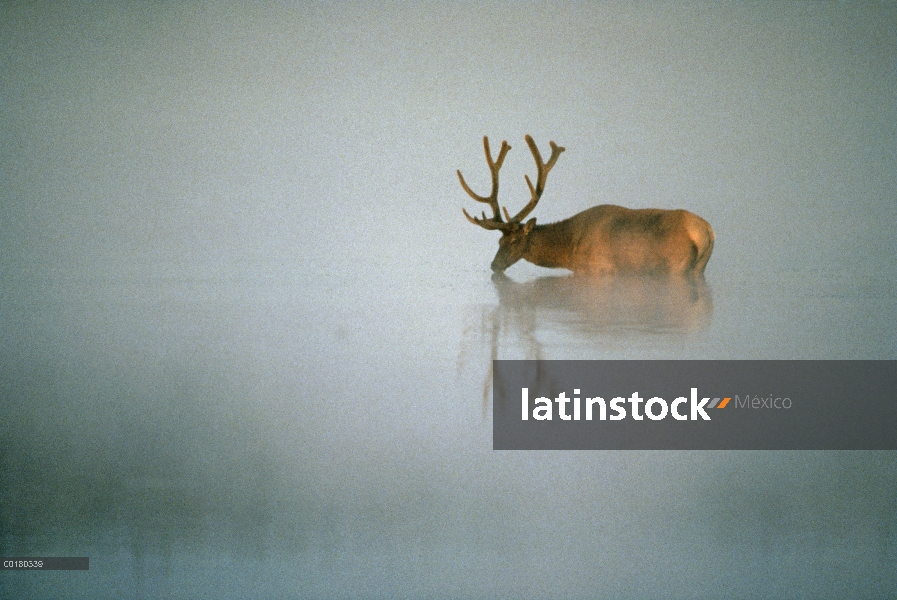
608	240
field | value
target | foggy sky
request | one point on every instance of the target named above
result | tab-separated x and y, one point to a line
226	140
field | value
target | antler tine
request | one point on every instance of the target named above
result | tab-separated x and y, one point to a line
486	223
494	166
542	170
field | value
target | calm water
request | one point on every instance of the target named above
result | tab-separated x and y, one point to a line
246	332
255	439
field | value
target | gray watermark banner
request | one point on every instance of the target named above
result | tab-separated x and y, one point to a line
694	405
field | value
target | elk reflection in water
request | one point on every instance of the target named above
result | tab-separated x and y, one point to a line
590	310
605	304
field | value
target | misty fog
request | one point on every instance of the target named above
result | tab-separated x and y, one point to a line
247	331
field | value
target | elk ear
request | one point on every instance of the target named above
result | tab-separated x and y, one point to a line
529	226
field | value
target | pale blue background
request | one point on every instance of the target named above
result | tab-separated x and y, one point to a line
245	328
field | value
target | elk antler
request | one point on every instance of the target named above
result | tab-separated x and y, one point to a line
542	170
492	200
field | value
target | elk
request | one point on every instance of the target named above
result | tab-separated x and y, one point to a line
602	240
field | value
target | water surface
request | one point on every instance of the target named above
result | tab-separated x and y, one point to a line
192	436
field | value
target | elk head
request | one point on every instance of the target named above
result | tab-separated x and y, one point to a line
514	232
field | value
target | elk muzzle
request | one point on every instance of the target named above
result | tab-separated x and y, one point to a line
504	258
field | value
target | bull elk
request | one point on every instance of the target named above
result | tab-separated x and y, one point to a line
602	240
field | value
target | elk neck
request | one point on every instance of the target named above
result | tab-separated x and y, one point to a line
549	245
